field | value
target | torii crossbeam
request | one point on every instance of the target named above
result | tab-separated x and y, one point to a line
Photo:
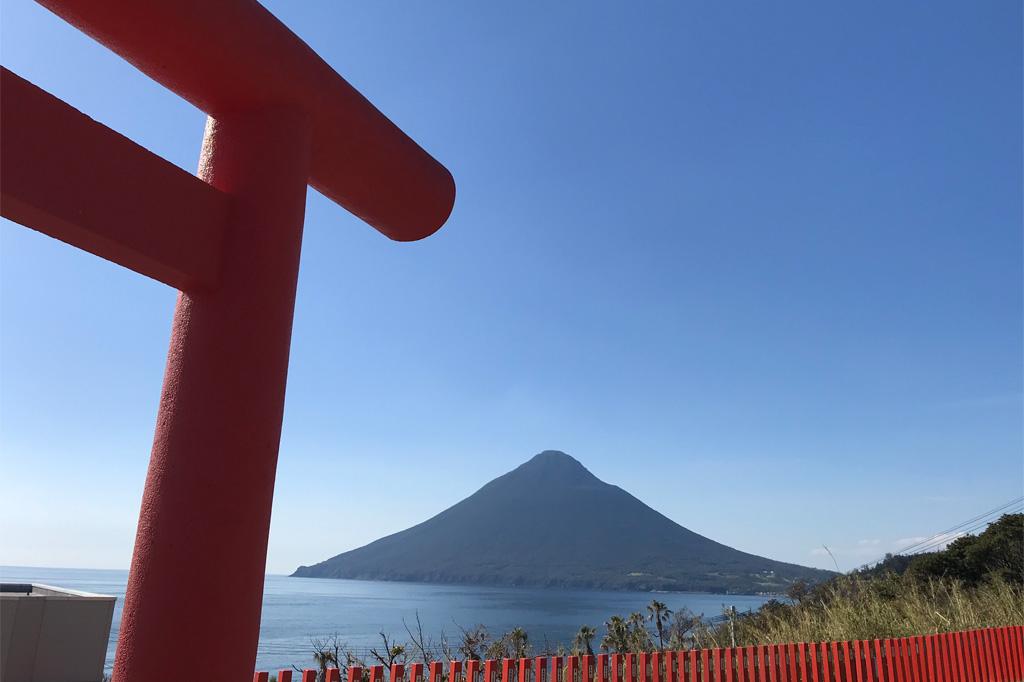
279	118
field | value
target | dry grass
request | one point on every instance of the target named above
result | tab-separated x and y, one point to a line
855	608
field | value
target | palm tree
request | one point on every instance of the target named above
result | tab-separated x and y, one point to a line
519	643
617	639
581	644
639	637
659	614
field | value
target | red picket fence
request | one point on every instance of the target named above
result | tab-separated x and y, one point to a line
989	655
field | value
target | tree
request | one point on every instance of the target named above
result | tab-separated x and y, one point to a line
331	652
581	644
475	643
680	630
392	653
617	638
513	644
639	637
659	614
519	643
998	551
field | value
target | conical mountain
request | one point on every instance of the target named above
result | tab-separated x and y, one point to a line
550	522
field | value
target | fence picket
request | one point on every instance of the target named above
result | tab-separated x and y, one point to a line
985	645
1004	653
1011	671
826	675
1017	642
948	662
996	662
975	655
954	669
749	663
572	668
524	670
961	657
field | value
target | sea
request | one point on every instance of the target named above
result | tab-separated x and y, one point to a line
298	610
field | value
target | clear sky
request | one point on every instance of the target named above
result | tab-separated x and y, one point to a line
760	265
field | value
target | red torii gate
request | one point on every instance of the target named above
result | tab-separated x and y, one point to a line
229	239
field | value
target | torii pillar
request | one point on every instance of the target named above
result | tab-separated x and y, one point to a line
279	118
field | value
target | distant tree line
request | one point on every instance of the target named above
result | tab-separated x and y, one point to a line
970	559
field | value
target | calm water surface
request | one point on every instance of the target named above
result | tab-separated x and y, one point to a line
296	609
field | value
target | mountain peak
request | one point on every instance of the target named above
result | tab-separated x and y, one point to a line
554	464
549	457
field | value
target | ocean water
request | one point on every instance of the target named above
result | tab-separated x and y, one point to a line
298	609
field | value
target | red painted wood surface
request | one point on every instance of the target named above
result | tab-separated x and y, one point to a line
234	55
114	199
601	674
572	664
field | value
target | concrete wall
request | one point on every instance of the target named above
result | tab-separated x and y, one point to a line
53	635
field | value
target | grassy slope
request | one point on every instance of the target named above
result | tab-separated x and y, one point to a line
977	582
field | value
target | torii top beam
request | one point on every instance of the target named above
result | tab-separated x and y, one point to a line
233	55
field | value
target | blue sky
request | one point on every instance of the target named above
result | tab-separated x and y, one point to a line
759	265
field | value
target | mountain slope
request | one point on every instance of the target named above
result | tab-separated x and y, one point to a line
550	522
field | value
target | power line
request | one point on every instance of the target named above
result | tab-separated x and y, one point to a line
945	538
961	524
938	544
963	528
